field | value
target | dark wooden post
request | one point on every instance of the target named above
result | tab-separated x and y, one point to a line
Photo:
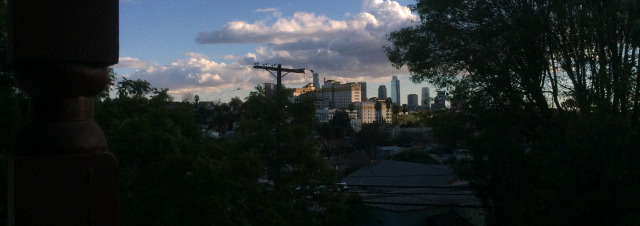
62	173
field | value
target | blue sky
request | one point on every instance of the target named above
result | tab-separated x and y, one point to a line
208	47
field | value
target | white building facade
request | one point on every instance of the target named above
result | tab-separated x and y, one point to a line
337	95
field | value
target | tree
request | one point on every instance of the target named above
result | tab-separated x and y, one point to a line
395	109
510	64
133	88
298	184
106	91
338	127
388	103
13	114
222	117
188	97
171	174
351	107
378	108
405	108
236	107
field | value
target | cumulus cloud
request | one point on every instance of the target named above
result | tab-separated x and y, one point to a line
344	48
197	72
130	62
348	50
376	19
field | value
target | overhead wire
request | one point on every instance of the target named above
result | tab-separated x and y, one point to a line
326	52
304	56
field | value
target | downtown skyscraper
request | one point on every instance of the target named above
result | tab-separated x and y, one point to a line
382	92
316	80
395	90
426	98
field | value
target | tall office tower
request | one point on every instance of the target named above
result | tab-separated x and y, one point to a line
382	92
316	81
412	101
363	91
426	98
439	100
395	90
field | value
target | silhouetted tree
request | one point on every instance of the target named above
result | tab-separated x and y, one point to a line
509	65
395	109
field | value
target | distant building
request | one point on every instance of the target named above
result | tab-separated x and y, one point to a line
426	98
316	80
439	100
368	114
412	100
299	91
382	92
395	90
334	94
363	91
269	89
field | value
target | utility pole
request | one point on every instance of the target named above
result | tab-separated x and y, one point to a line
278	69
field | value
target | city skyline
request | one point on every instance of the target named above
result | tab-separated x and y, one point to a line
208	48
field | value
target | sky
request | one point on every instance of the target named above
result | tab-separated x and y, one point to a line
208	48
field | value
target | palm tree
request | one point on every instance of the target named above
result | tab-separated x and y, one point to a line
405	109
378	108
395	109
388	103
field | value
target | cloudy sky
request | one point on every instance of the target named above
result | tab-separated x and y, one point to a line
209	47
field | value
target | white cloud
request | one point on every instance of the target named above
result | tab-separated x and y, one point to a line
129	1
130	62
347	48
197	55
376	19
197	72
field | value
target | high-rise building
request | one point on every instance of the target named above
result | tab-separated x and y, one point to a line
426	98
316	80
382	92
363	91
334	94
412	100
269	89
395	90
439	100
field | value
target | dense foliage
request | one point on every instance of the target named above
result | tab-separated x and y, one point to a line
548	101
13	114
172	174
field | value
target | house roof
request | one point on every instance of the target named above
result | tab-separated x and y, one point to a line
405	186
398	173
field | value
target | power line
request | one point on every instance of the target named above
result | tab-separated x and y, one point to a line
406	193
279	69
413	204
306	56
408	175
325	52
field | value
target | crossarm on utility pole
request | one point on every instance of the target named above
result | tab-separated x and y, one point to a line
279	71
